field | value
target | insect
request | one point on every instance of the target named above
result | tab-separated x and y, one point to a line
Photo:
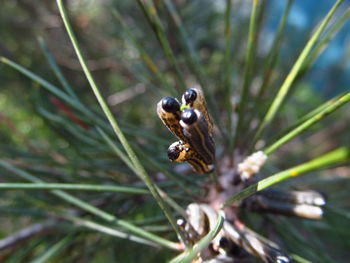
305	204
168	110
195	129
182	152
190	123
309	197
194	98
254	244
234	238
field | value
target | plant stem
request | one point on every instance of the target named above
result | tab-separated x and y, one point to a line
268	70
330	108
335	157
56	91
194	62
56	69
277	102
151	15
228	63
135	161
247	75
192	253
126	160
91	209
326	39
274	52
150	64
107	230
310	115
192	56
74	187
52	251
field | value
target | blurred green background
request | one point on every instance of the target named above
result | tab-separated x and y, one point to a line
30	135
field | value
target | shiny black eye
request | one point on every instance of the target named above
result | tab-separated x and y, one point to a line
190	96
224	242
188	116
170	104
173	153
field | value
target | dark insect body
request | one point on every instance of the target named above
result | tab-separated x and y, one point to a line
180	152
194	98
193	127
169	113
